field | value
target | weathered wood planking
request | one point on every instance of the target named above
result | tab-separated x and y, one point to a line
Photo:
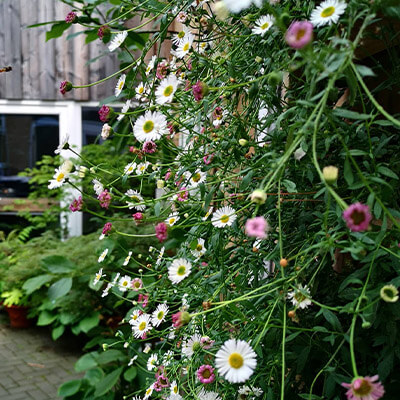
39	66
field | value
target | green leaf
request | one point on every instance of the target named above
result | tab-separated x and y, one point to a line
365	71
94	376
386	171
57	30
35	283
348	174
89	322
46	318
343	113
60	288
57	332
69	388
87	361
91	36
246	180
110	356
108	382
58	264
130	374
332	319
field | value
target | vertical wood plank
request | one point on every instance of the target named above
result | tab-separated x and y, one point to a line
2	52
12	33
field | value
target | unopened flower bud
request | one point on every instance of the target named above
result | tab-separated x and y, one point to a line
186	215
366	325
65	87
105	346
258	59
160	184
82	171
330	174
243	142
258	196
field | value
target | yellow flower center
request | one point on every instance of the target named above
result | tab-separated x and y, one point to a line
181	34
196	177
327	12
149	390
175	389
160	315
137	285
134	317
142	326
135	198
125	283
121	85
98	276
224	219
199	247
168	90
364	388
181	270
60	177
186	47
148	126
171	221
265	26
235	360
300	34
141	90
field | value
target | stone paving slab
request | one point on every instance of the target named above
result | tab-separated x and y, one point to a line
32	365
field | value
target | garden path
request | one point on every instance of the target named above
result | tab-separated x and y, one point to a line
32	365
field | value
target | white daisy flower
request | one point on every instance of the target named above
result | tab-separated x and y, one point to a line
190	346
103	256
107	289
140	92
167	359
199	250
160	256
174	396
148	392
172	219
131	361
135	198
208	213
134	316
179	37
202	46
129	168
184	46
58	178
141	326
158	315
263	24
98	187
236	361
328	12
174	387
203	395
141	168
165	91
179	270
127	259
196	178
98	276
300	297
124	283
124	110
120	85
224	216
150	65
150	126
152	362
63	143
118	40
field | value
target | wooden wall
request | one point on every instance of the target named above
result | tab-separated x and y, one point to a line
38	66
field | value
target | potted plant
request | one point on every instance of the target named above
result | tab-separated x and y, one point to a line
15	305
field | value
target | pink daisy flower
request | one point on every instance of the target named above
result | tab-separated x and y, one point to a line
206	374
161	231
364	388
299	34
257	227
357	217
136	284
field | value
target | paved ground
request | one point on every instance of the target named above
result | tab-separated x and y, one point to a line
32	366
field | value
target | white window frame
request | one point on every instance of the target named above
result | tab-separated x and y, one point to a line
70	122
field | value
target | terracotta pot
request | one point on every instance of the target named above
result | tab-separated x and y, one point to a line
18	316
